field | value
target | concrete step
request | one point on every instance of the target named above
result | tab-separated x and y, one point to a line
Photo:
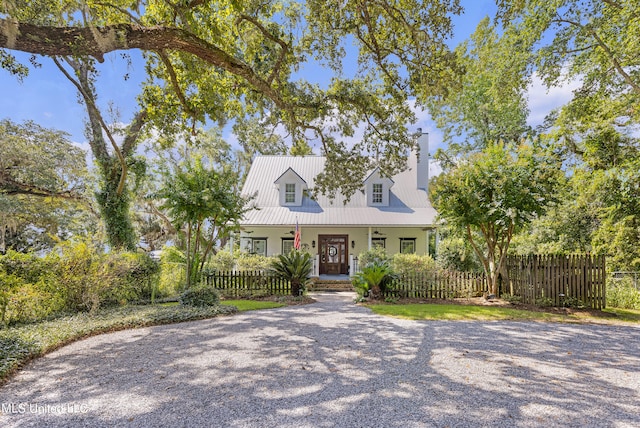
330	285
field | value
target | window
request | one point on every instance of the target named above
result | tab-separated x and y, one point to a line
287	245
407	245
377	193
378	242
290	193
259	246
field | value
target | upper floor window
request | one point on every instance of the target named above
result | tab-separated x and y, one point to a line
291	189
290	193
376	197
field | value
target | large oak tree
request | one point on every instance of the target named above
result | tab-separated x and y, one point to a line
212	60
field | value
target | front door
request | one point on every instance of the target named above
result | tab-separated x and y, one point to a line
334	254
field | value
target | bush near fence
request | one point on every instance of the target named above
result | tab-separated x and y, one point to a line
437	284
248	283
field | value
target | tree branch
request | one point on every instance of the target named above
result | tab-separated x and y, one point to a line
133	132
607	50
173	78
97	41
283	45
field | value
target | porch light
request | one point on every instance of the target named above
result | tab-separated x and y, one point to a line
353	244
313	244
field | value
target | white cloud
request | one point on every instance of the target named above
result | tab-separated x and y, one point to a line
542	100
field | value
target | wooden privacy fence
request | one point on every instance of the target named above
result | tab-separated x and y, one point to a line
557	280
438	285
248	283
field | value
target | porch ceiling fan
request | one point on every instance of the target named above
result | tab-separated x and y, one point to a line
378	233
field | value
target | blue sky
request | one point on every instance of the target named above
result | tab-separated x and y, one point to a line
48	99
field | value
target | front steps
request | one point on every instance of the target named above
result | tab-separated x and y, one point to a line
319	284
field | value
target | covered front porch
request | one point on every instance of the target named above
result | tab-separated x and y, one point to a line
336	249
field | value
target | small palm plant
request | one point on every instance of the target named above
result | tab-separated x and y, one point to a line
295	267
376	276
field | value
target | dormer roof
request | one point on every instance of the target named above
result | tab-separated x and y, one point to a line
289	175
407	205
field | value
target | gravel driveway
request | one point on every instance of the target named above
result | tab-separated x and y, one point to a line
334	364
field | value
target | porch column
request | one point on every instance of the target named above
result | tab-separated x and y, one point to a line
369	239
427	234
316	266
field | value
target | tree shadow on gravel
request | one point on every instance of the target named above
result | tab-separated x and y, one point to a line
330	364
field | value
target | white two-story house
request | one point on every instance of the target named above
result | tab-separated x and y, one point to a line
394	213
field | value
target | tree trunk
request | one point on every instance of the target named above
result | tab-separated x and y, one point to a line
295	287
114	210
113	196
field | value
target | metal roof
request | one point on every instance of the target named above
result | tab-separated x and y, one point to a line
408	205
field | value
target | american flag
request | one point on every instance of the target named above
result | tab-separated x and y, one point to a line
296	237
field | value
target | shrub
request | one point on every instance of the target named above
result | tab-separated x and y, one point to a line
222	261
253	262
511	298
142	274
360	285
173	273
377	276
376	255
455	254
544	302
295	267
22	301
621	293
29	267
200	296
89	278
406	264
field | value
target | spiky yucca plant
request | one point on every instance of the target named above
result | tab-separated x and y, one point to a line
295	267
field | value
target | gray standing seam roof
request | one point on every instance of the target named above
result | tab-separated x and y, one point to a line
408	205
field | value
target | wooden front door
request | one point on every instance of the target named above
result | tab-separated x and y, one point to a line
334	254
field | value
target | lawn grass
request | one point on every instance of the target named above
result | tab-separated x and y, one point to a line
493	313
629	315
252	305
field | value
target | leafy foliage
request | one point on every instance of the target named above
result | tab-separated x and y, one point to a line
377	255
404	264
21	343
588	40
201	202
295	267
376	275
75	277
200	296
208	61
253	262
490	103
494	194
456	253
43	181
623	293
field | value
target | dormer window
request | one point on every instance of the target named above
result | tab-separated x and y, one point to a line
376	197
290	193
291	188
377	189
